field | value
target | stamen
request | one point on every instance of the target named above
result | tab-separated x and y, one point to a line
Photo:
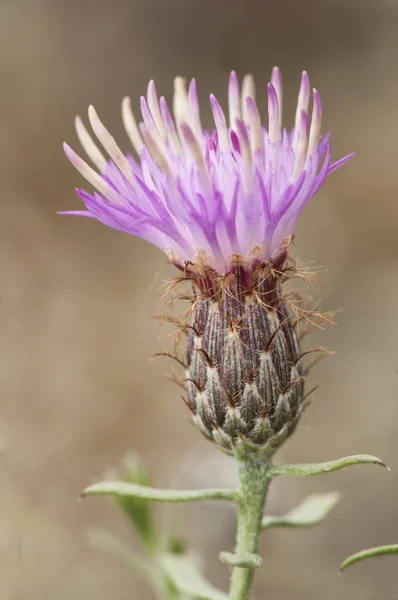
233	99
92	176
195	150
154	108
180	102
92	150
110	145
256	135
316	124
302	104
150	122
301	148
276	80
171	132
193	104
130	125
221	124
273	115
248	91
244	141
155	151
246	154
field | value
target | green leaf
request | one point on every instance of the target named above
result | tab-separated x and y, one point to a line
244	560
311	511
148	571
121	488
370	553
188	579
116	548
138	510
307	470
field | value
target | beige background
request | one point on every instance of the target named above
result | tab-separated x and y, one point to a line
77	389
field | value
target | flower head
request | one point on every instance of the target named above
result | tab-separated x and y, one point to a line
203	196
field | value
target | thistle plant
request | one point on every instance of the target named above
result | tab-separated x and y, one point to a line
223	205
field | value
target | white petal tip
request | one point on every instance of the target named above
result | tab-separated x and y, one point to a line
92	113
179	82
276	72
68	151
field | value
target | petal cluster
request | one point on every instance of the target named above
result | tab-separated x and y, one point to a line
193	192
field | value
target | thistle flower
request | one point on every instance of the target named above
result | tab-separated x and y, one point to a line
223	205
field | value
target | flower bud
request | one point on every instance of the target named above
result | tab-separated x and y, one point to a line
244	381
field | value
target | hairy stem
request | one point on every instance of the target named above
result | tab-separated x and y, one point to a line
254	481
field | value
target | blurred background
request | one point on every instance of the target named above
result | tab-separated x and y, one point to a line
77	388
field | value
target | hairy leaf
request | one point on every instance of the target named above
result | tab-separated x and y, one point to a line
307	470
370	553
188	579
121	488
311	511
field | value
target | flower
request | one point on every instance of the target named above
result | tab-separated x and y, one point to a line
203	196
223	205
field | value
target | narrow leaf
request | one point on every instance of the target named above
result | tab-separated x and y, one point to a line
370	553
307	470
121	488
138	510
144	569
311	511
188	579
244	561
116	548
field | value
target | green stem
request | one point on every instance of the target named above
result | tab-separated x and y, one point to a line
254	481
